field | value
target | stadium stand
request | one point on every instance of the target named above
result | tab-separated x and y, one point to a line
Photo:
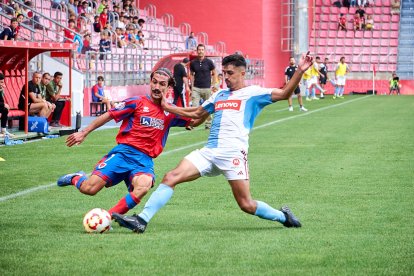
405	68
362	49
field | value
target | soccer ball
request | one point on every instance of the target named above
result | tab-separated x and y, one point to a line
97	220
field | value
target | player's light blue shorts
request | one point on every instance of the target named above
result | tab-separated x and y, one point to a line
124	162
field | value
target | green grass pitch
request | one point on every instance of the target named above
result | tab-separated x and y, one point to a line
345	168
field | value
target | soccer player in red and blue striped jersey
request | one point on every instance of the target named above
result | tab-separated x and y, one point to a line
141	137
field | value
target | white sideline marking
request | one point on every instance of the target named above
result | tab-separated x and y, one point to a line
43	187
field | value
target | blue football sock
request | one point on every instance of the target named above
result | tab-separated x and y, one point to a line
264	211
342	90
313	92
336	93
156	201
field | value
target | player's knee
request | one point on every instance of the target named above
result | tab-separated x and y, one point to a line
171	178
247	206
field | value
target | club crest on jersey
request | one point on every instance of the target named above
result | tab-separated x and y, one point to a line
145	109
119	106
228	104
152	122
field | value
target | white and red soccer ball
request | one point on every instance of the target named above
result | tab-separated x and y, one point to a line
97	220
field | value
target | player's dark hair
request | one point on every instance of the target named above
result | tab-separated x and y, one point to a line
165	72
318	57
100	78
201	45
1	76
235	60
45	74
14	19
57	74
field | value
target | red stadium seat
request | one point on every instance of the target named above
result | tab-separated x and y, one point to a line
348	42
375	42
377	10
386	26
385	34
385	43
395	26
331	42
323	25
384	50
359	34
394	42
395	18
325	17
367	34
366	43
376	34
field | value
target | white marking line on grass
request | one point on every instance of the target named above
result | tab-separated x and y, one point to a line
43	187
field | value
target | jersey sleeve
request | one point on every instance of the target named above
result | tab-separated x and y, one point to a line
125	109
208	105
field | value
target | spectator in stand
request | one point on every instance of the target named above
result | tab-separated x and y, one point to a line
120	38
362	3
104	45
87	45
53	95
369	23
96	24
141	24
10	33
135	22
59	5
395	84
103	17
139	38
352	3
20	19
395	7
4	110
98	94
130	36
342	23
361	12
72	7
357	22
71	36
191	42
37	105
120	23
101	7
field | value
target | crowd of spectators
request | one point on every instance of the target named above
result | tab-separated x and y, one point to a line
360	20
118	23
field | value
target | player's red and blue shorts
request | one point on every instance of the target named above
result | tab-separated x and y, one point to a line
124	162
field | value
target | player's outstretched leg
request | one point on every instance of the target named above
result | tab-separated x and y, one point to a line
66	180
134	222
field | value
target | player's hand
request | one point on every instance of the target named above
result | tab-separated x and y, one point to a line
164	103
75	138
305	62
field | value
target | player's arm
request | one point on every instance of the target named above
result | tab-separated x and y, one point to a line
189	112
197	122
214	76
306	61
78	137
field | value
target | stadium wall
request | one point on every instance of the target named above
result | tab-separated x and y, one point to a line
252	27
